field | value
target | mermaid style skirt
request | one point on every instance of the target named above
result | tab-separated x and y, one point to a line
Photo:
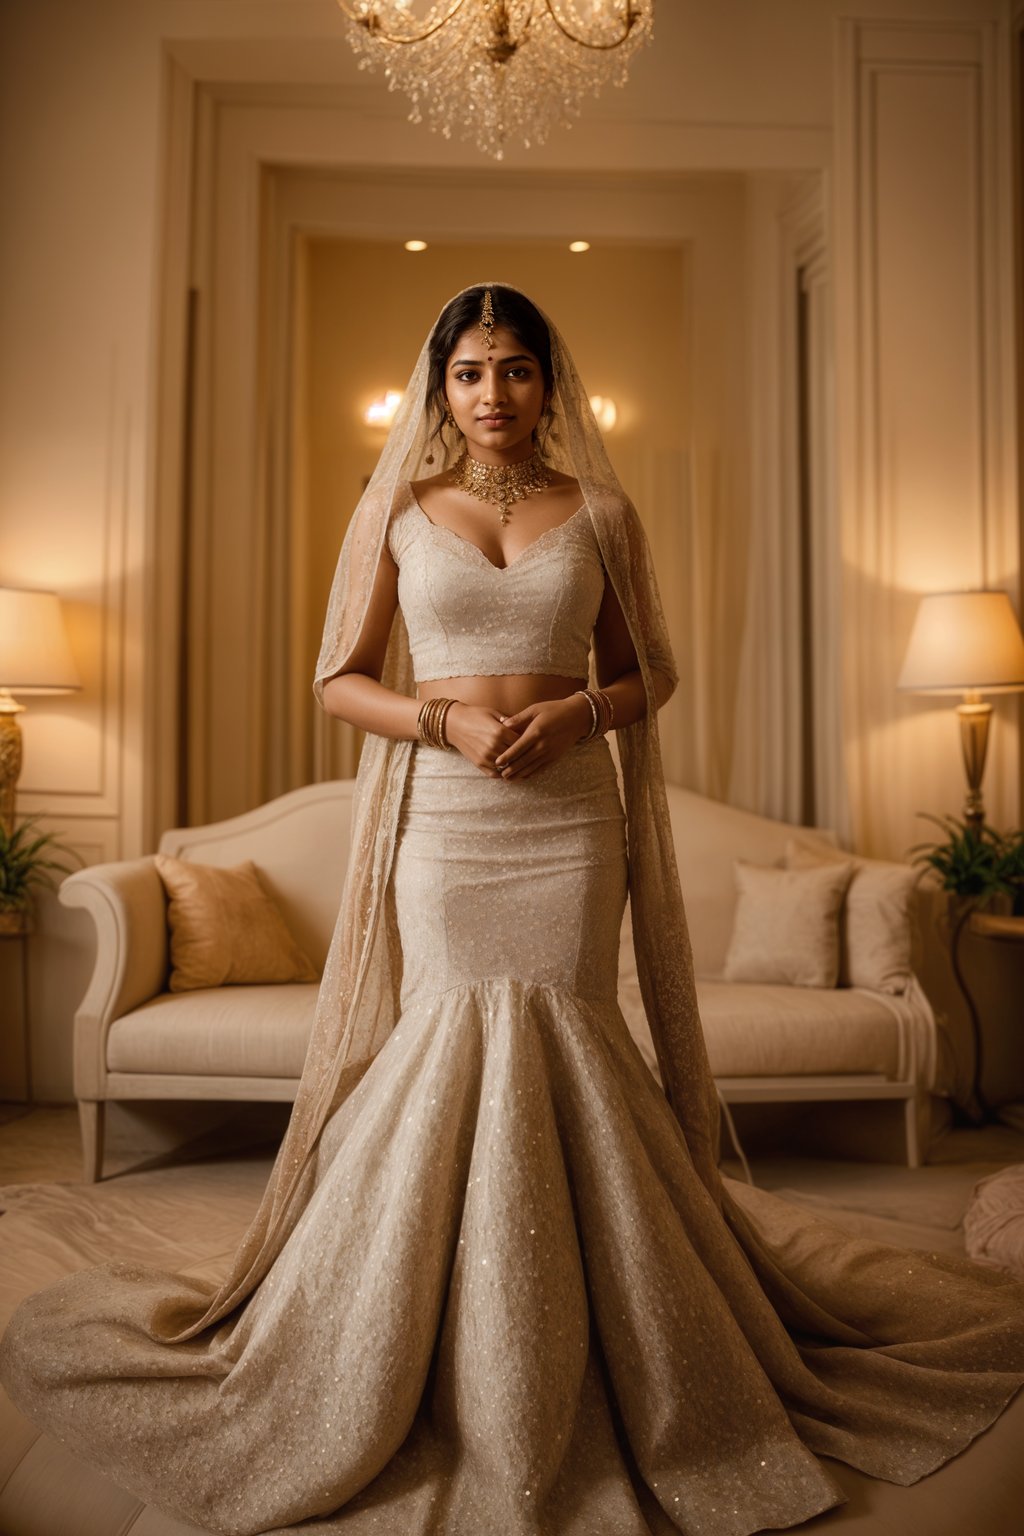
511	1305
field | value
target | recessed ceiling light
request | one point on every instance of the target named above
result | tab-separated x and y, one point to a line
415	245
580	245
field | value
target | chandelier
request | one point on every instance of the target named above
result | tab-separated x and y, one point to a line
493	69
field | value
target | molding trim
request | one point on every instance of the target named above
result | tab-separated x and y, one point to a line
110	602
880	453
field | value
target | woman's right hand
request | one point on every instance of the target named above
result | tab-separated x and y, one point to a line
477	732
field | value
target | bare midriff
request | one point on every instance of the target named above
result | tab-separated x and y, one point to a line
505	694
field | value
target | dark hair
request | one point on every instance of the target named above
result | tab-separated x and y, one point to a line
512	310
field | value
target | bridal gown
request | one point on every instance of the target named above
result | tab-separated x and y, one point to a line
510	1304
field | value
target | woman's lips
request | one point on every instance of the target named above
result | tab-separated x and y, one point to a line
495	421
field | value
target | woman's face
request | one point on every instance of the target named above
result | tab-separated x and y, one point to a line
496	394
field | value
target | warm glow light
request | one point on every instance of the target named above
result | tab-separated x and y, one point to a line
415	245
606	411
382	412
34	653
964	642
580	245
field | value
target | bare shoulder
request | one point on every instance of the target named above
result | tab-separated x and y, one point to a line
431	489
565	486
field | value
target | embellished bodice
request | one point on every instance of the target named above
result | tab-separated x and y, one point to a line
467	617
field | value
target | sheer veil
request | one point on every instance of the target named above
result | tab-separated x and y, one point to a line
358	999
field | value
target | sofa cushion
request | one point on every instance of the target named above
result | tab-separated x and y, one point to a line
875	922
785	1031
786	927
225	928
708	835
217	1032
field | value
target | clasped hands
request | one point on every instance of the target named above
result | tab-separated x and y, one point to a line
515	746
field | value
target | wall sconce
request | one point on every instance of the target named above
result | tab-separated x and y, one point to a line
34	658
382	412
969	643
606	411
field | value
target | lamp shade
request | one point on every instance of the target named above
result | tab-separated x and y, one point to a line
34	653
964	642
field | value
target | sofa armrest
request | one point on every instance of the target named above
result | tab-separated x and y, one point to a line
127	904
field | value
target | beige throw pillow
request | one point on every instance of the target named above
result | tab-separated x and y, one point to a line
225	929
786	928
876	942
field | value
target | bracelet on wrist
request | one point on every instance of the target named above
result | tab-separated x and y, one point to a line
602	712
430	723
609	708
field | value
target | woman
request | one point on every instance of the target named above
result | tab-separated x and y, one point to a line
496	1283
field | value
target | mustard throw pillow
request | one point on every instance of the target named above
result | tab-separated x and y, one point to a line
225	929
876	938
786	928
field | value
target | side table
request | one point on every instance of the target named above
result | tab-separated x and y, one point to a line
990	971
20	936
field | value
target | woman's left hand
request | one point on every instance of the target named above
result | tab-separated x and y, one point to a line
548	729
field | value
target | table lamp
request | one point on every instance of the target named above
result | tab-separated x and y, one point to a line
968	643
34	658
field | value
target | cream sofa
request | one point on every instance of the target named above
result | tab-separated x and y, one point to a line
133	1039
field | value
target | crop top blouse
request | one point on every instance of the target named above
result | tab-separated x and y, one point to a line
467	617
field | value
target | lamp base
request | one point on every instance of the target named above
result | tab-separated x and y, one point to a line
10	757
975	716
9	761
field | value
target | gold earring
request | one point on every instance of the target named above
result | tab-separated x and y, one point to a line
449	419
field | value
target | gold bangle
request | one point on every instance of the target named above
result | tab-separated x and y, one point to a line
430	723
442	716
588	695
609	711
423	722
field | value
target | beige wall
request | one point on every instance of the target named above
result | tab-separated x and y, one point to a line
782	86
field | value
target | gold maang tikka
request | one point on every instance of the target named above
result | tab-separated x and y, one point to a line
487	320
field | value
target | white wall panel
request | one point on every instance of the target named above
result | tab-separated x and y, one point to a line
926	405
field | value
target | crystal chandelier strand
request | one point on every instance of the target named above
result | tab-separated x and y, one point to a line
367	14
496	69
629	19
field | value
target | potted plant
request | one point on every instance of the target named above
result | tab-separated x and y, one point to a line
26	865
1010	871
976	863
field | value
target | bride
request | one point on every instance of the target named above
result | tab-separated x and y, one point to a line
496	1282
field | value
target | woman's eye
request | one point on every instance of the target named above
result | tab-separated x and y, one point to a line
467	376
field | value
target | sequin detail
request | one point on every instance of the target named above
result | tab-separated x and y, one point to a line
507	1302
467	617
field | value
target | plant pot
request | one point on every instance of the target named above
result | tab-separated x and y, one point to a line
14	921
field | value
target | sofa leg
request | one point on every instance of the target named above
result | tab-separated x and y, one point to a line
90	1117
917	1120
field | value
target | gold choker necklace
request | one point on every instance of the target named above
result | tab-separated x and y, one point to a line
501	484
